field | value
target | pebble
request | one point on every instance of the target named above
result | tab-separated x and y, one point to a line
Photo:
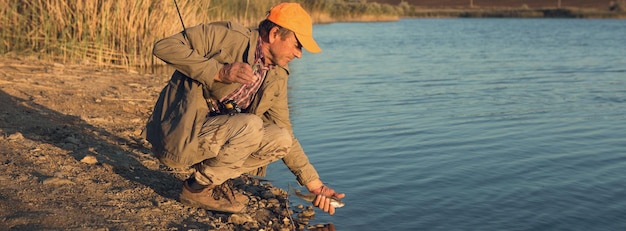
273	202
240	219
278	192
308	213
16	136
72	140
268	194
57	181
89	159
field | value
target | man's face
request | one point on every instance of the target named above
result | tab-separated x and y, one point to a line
283	49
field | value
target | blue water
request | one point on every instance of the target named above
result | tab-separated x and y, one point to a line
466	124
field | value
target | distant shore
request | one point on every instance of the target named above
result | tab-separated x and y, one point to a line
517	13
479	13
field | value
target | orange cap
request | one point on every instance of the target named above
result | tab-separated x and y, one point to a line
293	17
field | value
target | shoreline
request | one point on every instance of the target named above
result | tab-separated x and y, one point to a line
572	13
518	13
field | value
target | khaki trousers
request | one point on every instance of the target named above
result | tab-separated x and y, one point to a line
239	143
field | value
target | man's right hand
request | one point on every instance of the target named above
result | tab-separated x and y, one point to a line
323	194
237	72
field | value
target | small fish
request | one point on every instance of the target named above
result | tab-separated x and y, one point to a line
335	202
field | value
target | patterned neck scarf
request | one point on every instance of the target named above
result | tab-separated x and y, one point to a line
243	95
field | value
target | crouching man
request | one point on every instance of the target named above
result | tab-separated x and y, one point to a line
224	111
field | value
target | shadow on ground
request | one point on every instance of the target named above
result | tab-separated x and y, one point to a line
79	139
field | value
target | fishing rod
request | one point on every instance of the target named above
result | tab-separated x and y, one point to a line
232	107
180	16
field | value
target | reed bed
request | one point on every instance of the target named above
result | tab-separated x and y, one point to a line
120	34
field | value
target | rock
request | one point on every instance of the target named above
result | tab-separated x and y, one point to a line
263	215
278	192
273	202
72	140
251	226
16	136
89	159
240	219
57	181
309	212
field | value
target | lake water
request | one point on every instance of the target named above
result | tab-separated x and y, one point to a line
466	124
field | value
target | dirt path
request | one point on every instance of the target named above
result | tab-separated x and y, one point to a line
70	157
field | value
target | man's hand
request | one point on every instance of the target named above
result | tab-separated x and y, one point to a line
323	194
237	72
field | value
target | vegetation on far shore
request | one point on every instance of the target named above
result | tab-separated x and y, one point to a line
120	34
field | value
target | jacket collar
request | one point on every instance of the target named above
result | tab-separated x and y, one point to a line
254	39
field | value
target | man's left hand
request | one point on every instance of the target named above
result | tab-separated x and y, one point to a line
322	200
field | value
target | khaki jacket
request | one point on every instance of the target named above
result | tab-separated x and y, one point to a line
181	107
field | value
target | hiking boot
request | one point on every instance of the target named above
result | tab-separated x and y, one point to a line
215	198
228	188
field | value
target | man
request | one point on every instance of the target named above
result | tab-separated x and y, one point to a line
224	112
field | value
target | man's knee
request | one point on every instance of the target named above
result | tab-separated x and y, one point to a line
280	139
285	137
249	123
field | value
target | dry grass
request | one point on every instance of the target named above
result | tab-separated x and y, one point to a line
107	32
